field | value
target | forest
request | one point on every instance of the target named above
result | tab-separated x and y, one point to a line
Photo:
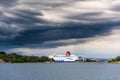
17	58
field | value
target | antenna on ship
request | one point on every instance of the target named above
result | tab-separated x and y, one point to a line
54	54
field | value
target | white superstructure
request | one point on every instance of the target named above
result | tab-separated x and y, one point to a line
64	58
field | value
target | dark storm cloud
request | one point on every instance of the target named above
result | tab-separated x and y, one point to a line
10	27
8	3
89	16
6	29
26	29
52	5
32	38
92	17
1	15
116	8
25	17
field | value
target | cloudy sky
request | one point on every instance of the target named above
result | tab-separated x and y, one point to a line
90	28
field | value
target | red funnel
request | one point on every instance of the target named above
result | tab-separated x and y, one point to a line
68	54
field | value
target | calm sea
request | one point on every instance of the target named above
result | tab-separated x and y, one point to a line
60	71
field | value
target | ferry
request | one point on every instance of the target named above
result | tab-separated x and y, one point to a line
64	58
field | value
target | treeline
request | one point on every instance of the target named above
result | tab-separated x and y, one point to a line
116	59
16	58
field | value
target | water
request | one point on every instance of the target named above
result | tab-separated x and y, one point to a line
62	71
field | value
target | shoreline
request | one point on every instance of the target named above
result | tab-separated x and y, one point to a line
114	63
60	63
